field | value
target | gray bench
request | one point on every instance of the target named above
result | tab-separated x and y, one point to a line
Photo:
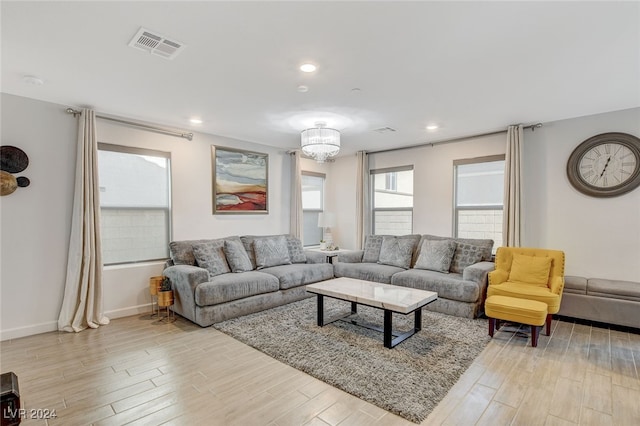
602	300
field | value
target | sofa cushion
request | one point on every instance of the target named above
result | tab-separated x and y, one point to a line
271	251
237	256
296	251
228	287
372	246
300	273
396	251
450	286
294	246
575	285
181	252
532	270
436	255
210	256
614	289
465	255
366	271
526	291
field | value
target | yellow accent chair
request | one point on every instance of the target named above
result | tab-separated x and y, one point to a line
529	273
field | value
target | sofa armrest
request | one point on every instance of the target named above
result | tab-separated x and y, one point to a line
315	256
184	280
478	271
498	276
350	256
557	285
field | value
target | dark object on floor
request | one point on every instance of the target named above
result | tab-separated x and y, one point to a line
9	399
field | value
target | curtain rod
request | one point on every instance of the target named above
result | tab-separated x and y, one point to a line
157	129
462	138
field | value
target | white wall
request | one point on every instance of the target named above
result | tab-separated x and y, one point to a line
36	220
600	236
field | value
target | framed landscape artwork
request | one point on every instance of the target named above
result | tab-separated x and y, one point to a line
240	181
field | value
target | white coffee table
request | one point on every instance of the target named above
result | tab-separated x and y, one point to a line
389	298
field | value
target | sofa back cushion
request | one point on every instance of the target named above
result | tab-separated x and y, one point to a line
294	246
210	256
468	251
271	251
397	251
373	245
436	255
237	256
181	252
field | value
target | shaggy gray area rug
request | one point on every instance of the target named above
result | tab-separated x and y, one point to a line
408	380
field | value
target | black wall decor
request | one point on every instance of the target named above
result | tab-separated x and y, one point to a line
12	160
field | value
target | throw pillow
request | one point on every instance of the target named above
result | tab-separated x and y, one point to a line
182	251
466	255
436	255
530	269
372	246
210	256
296	252
271	251
237	256
396	251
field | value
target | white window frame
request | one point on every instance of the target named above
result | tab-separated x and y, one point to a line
394	180
318	211
457	209
169	209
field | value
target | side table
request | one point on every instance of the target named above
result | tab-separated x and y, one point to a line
330	254
165	300
154	287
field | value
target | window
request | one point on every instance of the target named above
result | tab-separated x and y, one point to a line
479	187
312	206
392	201
135	188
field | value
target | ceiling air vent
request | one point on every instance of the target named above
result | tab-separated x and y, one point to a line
385	130
156	44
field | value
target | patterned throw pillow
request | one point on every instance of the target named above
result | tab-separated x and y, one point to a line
210	256
436	255
396	251
372	246
237	256
182	251
271	251
466	255
296	252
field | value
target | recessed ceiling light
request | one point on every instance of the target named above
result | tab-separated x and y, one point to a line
307	68
432	127
303	89
195	121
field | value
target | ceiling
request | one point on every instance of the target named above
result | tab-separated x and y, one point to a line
468	67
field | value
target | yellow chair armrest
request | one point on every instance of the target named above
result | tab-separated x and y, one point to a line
498	276
557	285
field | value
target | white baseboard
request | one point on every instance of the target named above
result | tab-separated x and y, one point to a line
30	330
127	312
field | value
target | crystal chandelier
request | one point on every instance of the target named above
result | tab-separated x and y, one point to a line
320	142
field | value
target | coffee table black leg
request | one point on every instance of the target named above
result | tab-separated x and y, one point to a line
418	320
320	310
388	325
354	308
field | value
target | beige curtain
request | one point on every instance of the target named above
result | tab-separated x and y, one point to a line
82	302
296	217
512	219
362	198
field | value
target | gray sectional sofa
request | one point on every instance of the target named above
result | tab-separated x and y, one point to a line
455	268
215	280
602	300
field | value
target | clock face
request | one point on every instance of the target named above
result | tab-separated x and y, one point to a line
605	165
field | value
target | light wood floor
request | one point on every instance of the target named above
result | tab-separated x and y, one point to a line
137	371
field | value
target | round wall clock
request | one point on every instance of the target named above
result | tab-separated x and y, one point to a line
605	165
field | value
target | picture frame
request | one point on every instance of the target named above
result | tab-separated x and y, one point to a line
240	181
